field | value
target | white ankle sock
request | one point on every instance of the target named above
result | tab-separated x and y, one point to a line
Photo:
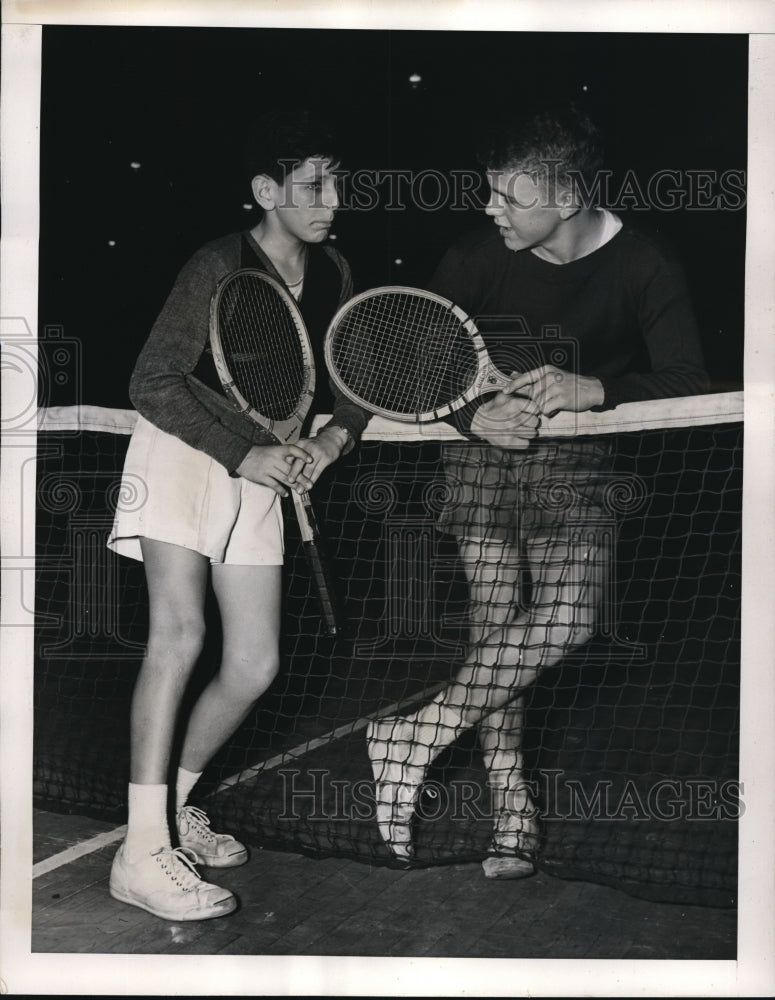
147	828
186	781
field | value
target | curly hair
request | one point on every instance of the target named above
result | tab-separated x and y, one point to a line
557	141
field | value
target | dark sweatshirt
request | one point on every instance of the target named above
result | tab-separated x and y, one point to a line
622	313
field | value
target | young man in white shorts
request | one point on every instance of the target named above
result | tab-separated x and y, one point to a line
209	484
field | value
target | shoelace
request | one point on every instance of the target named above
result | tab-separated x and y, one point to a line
178	859
196	817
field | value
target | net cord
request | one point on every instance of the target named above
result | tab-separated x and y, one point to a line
683	411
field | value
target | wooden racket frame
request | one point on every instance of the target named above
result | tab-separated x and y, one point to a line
488	378
285	431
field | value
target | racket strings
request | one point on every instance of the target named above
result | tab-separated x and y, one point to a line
404	353
261	347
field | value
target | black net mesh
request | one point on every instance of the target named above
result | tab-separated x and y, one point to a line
628	744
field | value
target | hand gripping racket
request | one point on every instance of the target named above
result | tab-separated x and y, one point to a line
264	359
408	354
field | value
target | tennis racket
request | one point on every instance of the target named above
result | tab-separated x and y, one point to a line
264	360
408	354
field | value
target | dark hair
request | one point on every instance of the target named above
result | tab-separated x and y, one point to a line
559	134
280	140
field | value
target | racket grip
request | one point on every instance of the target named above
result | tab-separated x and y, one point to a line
325	588
317	559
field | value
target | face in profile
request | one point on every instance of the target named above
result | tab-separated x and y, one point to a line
520	206
306	202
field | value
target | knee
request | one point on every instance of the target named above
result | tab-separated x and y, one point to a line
264	673
579	629
247	678
584	623
563	630
176	636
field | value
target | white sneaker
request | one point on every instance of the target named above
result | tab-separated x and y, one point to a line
167	884
216	850
516	838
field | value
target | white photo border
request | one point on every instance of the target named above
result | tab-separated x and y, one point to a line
23	972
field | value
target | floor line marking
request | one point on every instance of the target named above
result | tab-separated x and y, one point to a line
248	773
78	851
113	836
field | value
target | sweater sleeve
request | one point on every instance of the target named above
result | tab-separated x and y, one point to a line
669	330
161	384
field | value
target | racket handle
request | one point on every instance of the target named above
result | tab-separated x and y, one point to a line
325	588
317	560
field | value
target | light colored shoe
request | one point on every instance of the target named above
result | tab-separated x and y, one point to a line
516	838
215	850
167	884
396	783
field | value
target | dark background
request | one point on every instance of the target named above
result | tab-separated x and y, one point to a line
177	102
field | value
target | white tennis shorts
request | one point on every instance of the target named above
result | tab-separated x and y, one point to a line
174	493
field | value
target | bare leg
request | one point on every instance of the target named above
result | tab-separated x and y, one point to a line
146	871
177	579
516	831
568	578
249	602
494	570
568	584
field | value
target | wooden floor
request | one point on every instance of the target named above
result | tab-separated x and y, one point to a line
293	905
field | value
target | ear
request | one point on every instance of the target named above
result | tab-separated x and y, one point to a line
265	191
565	200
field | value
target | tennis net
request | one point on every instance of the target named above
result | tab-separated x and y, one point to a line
629	742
